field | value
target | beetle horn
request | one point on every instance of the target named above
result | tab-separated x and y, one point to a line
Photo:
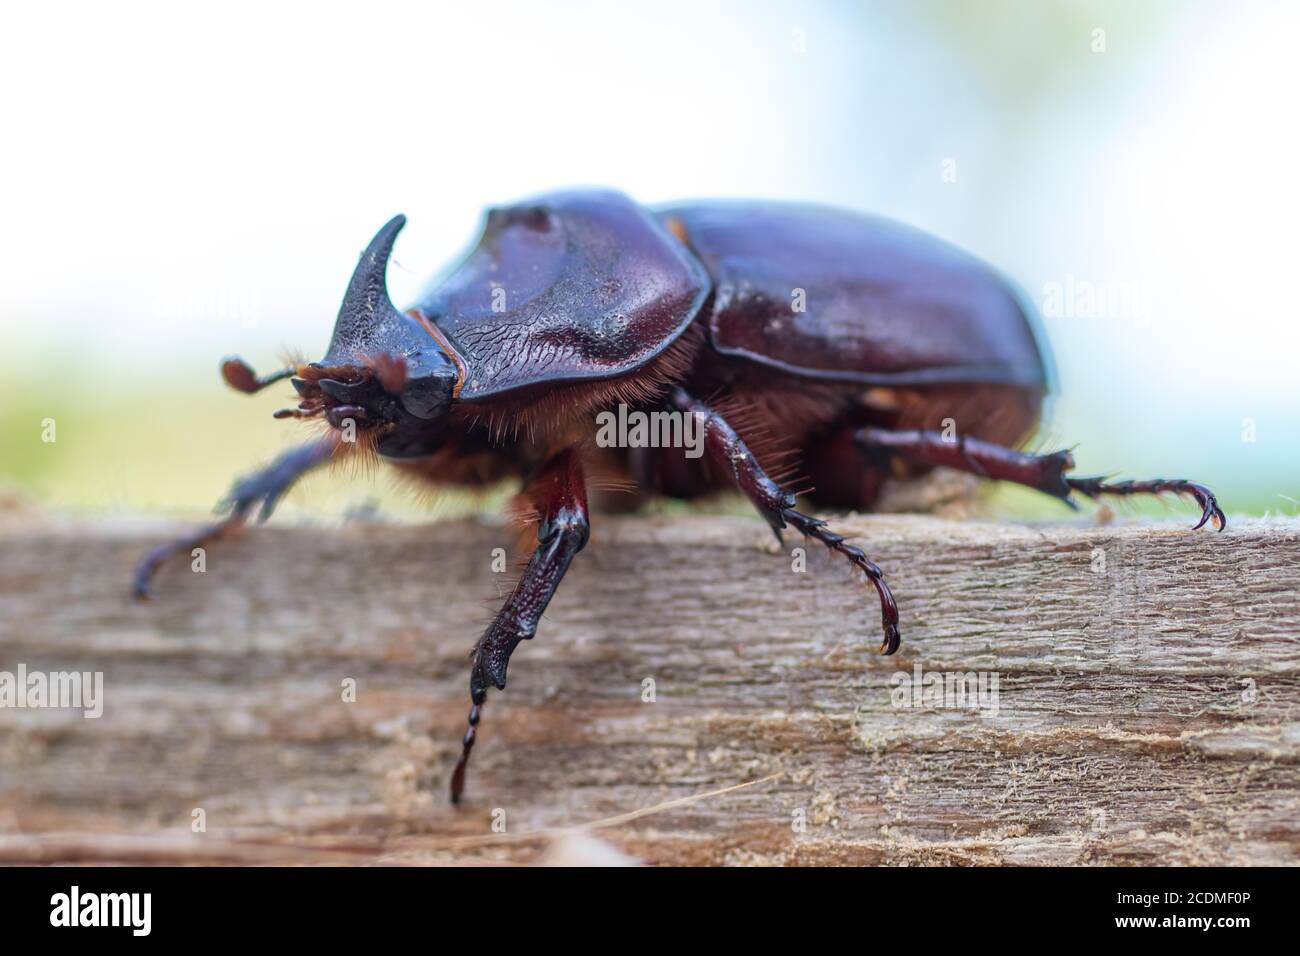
367	312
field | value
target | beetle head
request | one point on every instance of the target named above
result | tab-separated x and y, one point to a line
384	370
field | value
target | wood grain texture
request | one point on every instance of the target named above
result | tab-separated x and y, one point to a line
1147	709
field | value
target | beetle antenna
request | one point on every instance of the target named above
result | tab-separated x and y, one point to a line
240	376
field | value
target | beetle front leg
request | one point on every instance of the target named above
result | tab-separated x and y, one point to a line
1045	473
265	487
726	449
559	494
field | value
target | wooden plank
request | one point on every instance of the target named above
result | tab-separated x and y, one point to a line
1146	710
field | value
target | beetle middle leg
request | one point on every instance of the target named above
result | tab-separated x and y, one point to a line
559	494
265	487
725	448
1045	473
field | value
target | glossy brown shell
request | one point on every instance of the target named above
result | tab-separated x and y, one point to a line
882	303
570	286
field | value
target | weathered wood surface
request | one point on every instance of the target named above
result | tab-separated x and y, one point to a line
1147	712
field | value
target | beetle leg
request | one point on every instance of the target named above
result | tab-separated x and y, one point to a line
559	494
1210	510
266	486
727	449
1045	473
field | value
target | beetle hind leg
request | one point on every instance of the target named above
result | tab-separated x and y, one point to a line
725	448
1045	473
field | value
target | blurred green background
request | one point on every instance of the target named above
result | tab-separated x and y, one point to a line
180	184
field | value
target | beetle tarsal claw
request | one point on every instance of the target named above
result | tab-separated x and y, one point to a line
1210	511
892	640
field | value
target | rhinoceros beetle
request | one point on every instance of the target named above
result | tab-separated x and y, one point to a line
846	339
